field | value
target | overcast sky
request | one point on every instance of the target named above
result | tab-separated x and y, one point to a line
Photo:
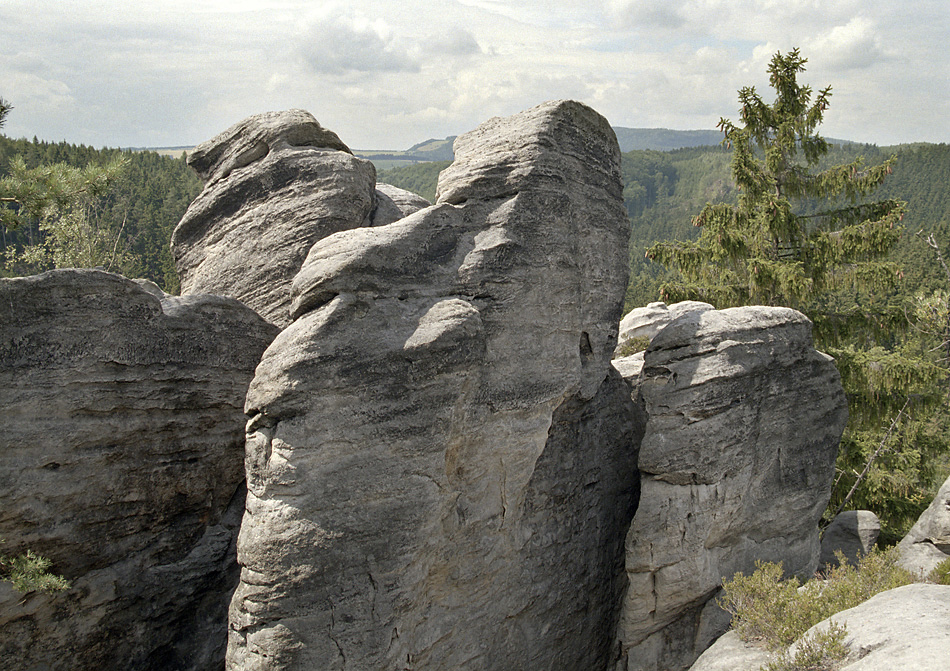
387	74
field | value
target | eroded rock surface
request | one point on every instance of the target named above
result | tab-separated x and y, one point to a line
276	183
928	542
440	460
647	321
744	419
122	462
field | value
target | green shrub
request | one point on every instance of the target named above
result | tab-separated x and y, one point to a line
822	651
632	346
30	573
775	612
941	573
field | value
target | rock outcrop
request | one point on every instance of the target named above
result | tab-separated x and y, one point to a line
276	183
904	628
744	419
852	533
928	542
440	461
647	321
122	462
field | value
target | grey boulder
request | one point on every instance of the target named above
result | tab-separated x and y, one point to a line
928	542
647	321
852	533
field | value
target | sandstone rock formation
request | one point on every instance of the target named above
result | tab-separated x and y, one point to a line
440	460
904	628
853	533
276	183
122	462
744	419
928	542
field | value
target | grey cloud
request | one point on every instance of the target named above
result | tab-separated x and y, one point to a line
337	46
649	14
454	42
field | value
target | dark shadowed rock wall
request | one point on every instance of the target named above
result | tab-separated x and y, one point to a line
122	462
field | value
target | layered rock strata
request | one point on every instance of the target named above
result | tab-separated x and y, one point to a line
275	184
440	460
122	462
744	419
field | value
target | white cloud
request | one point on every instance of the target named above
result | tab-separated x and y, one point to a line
335	41
386	74
648	13
854	45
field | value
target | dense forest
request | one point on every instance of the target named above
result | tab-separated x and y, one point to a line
141	211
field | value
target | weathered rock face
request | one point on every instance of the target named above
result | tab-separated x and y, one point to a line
744	419
393	203
277	183
440	462
928	542
647	321
122	463
904	628
853	533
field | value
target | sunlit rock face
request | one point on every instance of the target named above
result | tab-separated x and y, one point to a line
275	184
122	463
441	462
744	420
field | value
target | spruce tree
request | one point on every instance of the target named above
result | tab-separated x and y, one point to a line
770	248
806	235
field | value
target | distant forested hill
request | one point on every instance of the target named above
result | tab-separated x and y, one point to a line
630	139
146	205
664	139
420	178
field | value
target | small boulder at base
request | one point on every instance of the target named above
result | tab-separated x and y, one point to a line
904	628
853	533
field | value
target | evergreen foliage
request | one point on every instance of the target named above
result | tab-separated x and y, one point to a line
64	205
775	611
421	178
30	573
767	249
801	231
